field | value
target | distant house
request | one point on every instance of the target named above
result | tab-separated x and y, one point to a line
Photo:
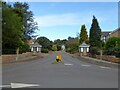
35	47
115	33
63	47
84	49
105	36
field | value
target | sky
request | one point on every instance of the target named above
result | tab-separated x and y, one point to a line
59	20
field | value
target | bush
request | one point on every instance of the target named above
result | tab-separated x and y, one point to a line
94	51
8	51
24	48
117	52
112	46
73	48
44	50
54	48
58	47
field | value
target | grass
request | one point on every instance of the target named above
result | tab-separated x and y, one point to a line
55	62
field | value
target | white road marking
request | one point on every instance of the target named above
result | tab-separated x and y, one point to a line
85	65
104	67
3	86
19	85
68	64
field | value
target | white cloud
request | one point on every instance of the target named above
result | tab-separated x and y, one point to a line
61	19
64	19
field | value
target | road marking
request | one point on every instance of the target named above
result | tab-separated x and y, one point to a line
104	67
68	64
19	85
85	65
3	86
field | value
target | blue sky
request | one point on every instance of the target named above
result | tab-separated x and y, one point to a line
58	20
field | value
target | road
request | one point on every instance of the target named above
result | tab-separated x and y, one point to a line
72	74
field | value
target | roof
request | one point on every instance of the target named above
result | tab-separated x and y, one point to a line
35	45
84	45
107	33
118	29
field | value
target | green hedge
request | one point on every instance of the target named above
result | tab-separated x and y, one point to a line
44	50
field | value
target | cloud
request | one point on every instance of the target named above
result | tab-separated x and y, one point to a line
61	19
64	19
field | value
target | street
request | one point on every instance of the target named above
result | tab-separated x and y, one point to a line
74	73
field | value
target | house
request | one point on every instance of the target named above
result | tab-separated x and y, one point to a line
63	47
105	36
84	49
115	33
35	47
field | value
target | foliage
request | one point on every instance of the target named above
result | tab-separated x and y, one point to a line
83	35
59	43
44	50
58	47
94	51
45	42
72	45
112	46
24	48
11	29
95	34
54	48
29	25
17	22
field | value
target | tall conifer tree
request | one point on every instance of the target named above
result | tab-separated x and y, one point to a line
83	35
95	34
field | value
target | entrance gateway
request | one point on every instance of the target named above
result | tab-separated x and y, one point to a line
84	49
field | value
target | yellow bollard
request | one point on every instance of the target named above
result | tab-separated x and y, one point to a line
60	57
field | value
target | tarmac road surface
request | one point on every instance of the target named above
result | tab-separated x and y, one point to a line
74	73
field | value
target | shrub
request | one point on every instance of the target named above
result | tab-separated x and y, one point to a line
112	46
94	51
24	48
44	50
58	47
54	48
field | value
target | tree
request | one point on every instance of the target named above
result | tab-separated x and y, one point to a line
17	26
45	42
57	42
54	48
29	25
11	28
72	45
83	35
95	34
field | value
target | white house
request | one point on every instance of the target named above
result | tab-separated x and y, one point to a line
63	47
84	48
35	47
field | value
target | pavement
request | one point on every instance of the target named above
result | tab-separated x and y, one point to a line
96	61
73	73
27	58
